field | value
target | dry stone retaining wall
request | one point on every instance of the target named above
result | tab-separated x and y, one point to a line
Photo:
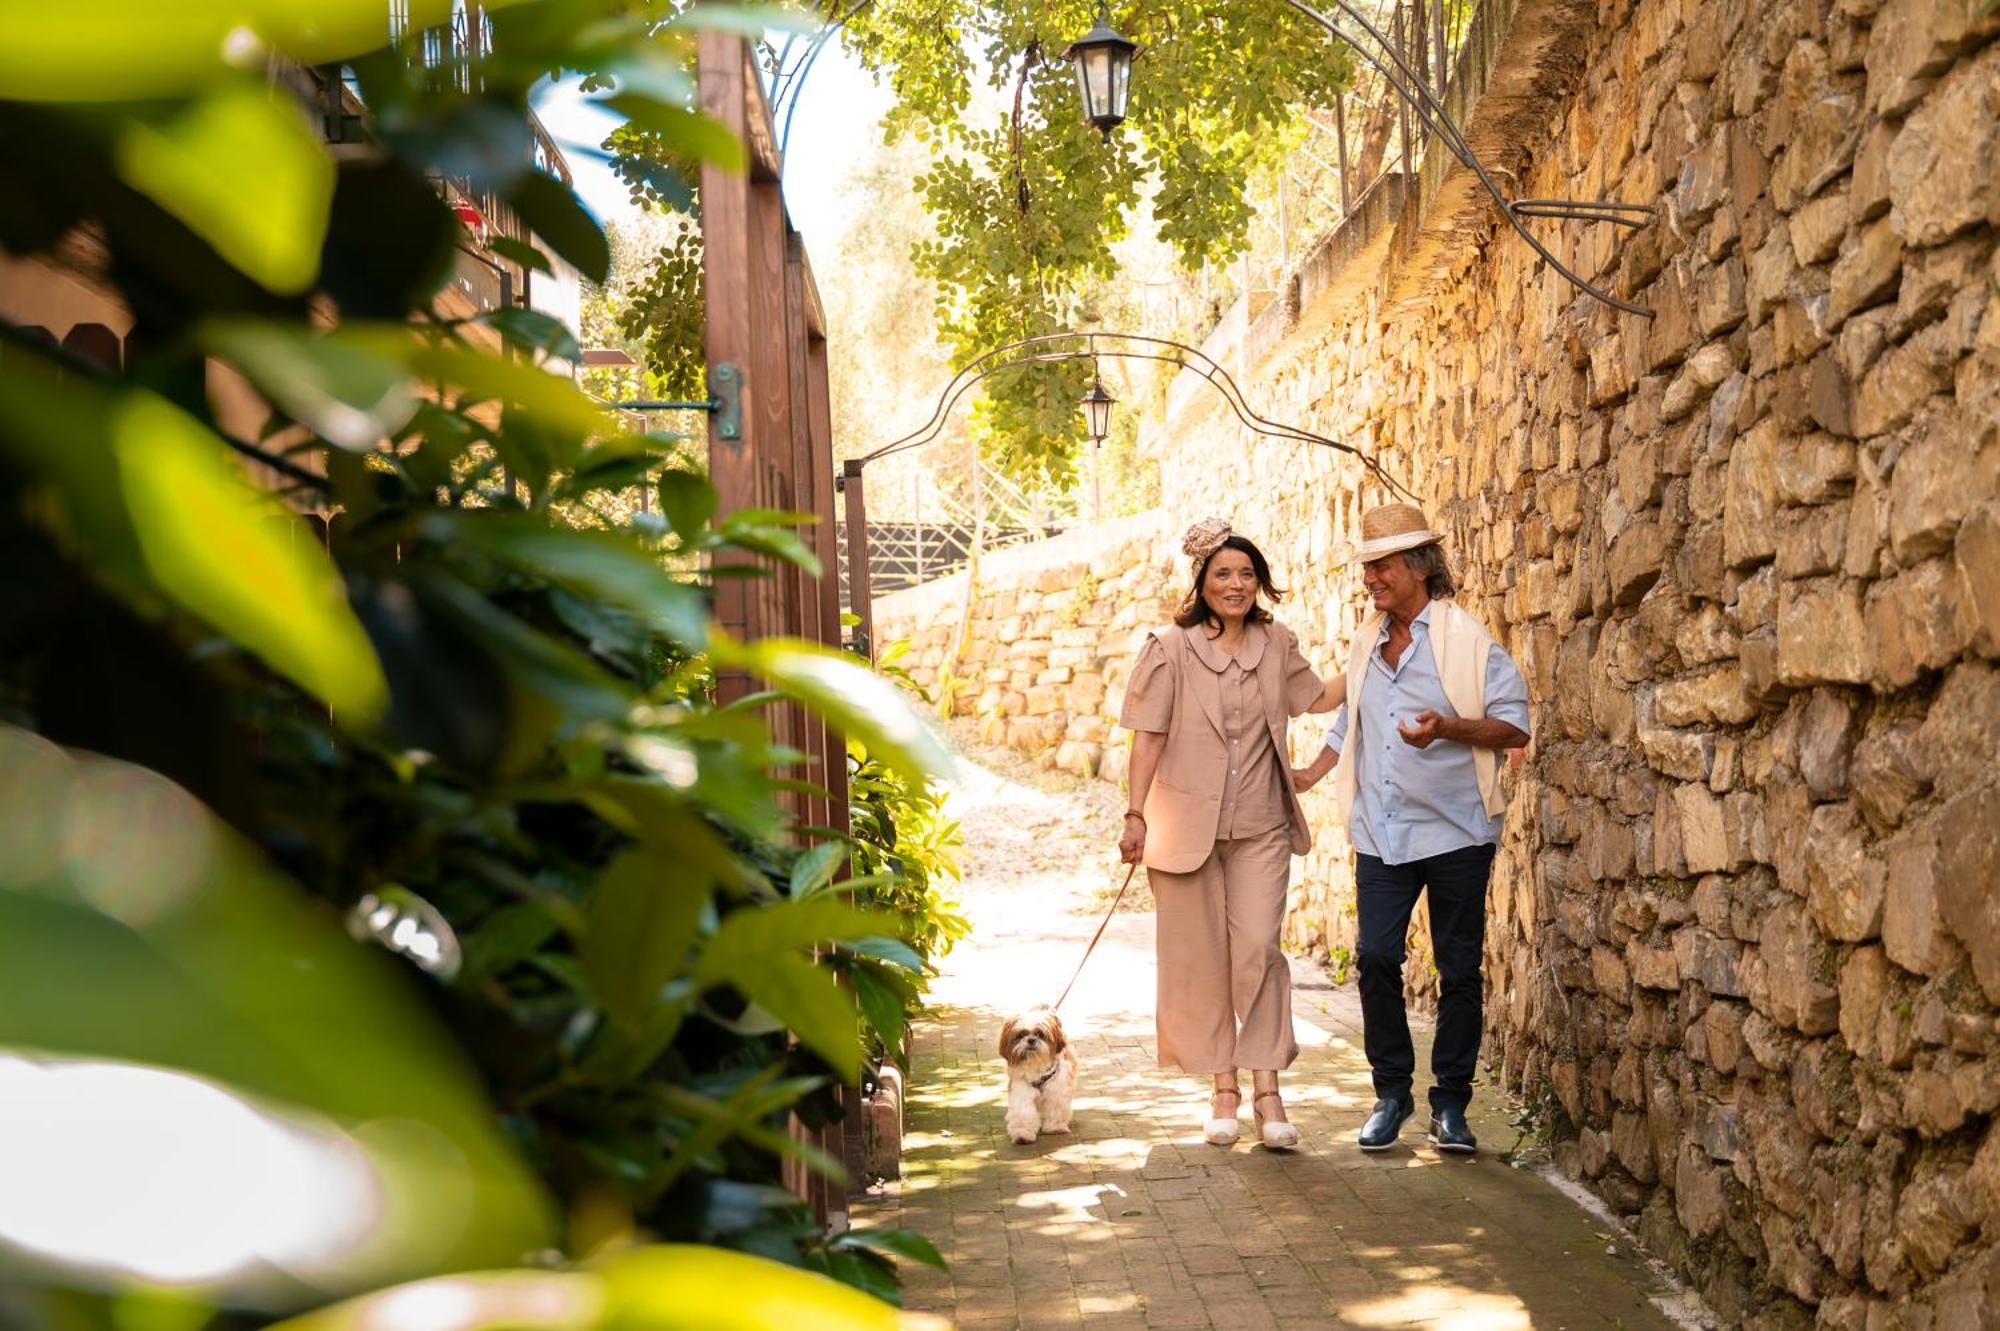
1047	641
1744	935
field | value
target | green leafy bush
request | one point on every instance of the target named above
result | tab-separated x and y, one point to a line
454	699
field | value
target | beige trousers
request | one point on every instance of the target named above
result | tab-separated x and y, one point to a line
1225	998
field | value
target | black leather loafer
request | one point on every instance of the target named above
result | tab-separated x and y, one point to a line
1379	1132
1450	1133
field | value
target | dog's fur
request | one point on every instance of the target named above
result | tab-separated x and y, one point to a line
1035	1049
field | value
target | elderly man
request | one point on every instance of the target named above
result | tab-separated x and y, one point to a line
1431	702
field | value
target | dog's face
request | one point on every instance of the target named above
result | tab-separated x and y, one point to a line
1032	1036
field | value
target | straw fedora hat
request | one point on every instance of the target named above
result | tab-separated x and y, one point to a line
1390	528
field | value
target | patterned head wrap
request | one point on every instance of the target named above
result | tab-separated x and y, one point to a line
1204	539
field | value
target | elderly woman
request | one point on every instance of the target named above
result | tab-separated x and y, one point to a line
1213	817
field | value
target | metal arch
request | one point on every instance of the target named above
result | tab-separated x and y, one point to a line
1037	351
1410	86
790	84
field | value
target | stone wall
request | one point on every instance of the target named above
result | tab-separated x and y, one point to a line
1042	653
1744	936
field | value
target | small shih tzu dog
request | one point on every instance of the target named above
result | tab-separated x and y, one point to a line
1041	1074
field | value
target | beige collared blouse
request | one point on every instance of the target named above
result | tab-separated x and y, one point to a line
1250	696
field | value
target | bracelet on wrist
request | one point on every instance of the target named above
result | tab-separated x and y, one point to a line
1134	813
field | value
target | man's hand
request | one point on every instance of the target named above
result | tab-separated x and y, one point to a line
1303	779
1424	727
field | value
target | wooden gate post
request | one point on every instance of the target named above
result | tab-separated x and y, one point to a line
859	597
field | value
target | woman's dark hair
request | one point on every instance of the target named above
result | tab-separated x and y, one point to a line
1194	610
1428	563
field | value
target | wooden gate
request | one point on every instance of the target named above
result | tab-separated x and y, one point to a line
770	445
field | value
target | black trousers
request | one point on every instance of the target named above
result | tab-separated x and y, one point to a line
1385	896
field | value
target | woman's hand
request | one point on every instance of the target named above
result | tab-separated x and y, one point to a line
1305	778
1132	843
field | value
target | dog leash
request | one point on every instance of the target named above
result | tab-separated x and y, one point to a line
1101	926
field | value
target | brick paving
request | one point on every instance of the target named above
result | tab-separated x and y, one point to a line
1134	1221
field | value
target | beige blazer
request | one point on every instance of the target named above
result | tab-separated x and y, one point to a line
1184	806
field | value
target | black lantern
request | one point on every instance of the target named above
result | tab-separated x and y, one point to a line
1097	411
1103	59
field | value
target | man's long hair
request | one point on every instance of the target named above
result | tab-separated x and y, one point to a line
1428	563
1194	609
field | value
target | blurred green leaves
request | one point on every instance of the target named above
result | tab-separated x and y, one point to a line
151	494
865	705
450	684
139	48
671	1287
215	546
134	928
243	171
348	394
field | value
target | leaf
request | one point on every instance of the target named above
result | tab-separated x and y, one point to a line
139	48
521	252
752	21
881	1007
771	517
667	1287
551	398
688	135
552	212
715	1289
815	869
751	935
222	550
507	936
162	941
778	542
597	564
348	395
902	1242
892	950
552	690
743	1115
688	501
812	1006
532	330
641	923
620	463
854	698
756	950
391	243
243	171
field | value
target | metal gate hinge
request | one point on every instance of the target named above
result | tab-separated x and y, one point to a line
725	382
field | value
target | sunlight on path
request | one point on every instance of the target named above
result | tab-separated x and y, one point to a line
1133	1221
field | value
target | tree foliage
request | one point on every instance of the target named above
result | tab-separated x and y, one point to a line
1028	202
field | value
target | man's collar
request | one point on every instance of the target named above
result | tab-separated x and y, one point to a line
1422	616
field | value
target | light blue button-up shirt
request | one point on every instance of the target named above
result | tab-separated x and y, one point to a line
1412	803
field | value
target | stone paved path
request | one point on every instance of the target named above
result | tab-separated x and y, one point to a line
1133	1221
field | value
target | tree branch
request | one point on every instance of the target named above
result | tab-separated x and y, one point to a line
1022	198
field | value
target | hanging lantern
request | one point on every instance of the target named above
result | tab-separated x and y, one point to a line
1097	411
1103	59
